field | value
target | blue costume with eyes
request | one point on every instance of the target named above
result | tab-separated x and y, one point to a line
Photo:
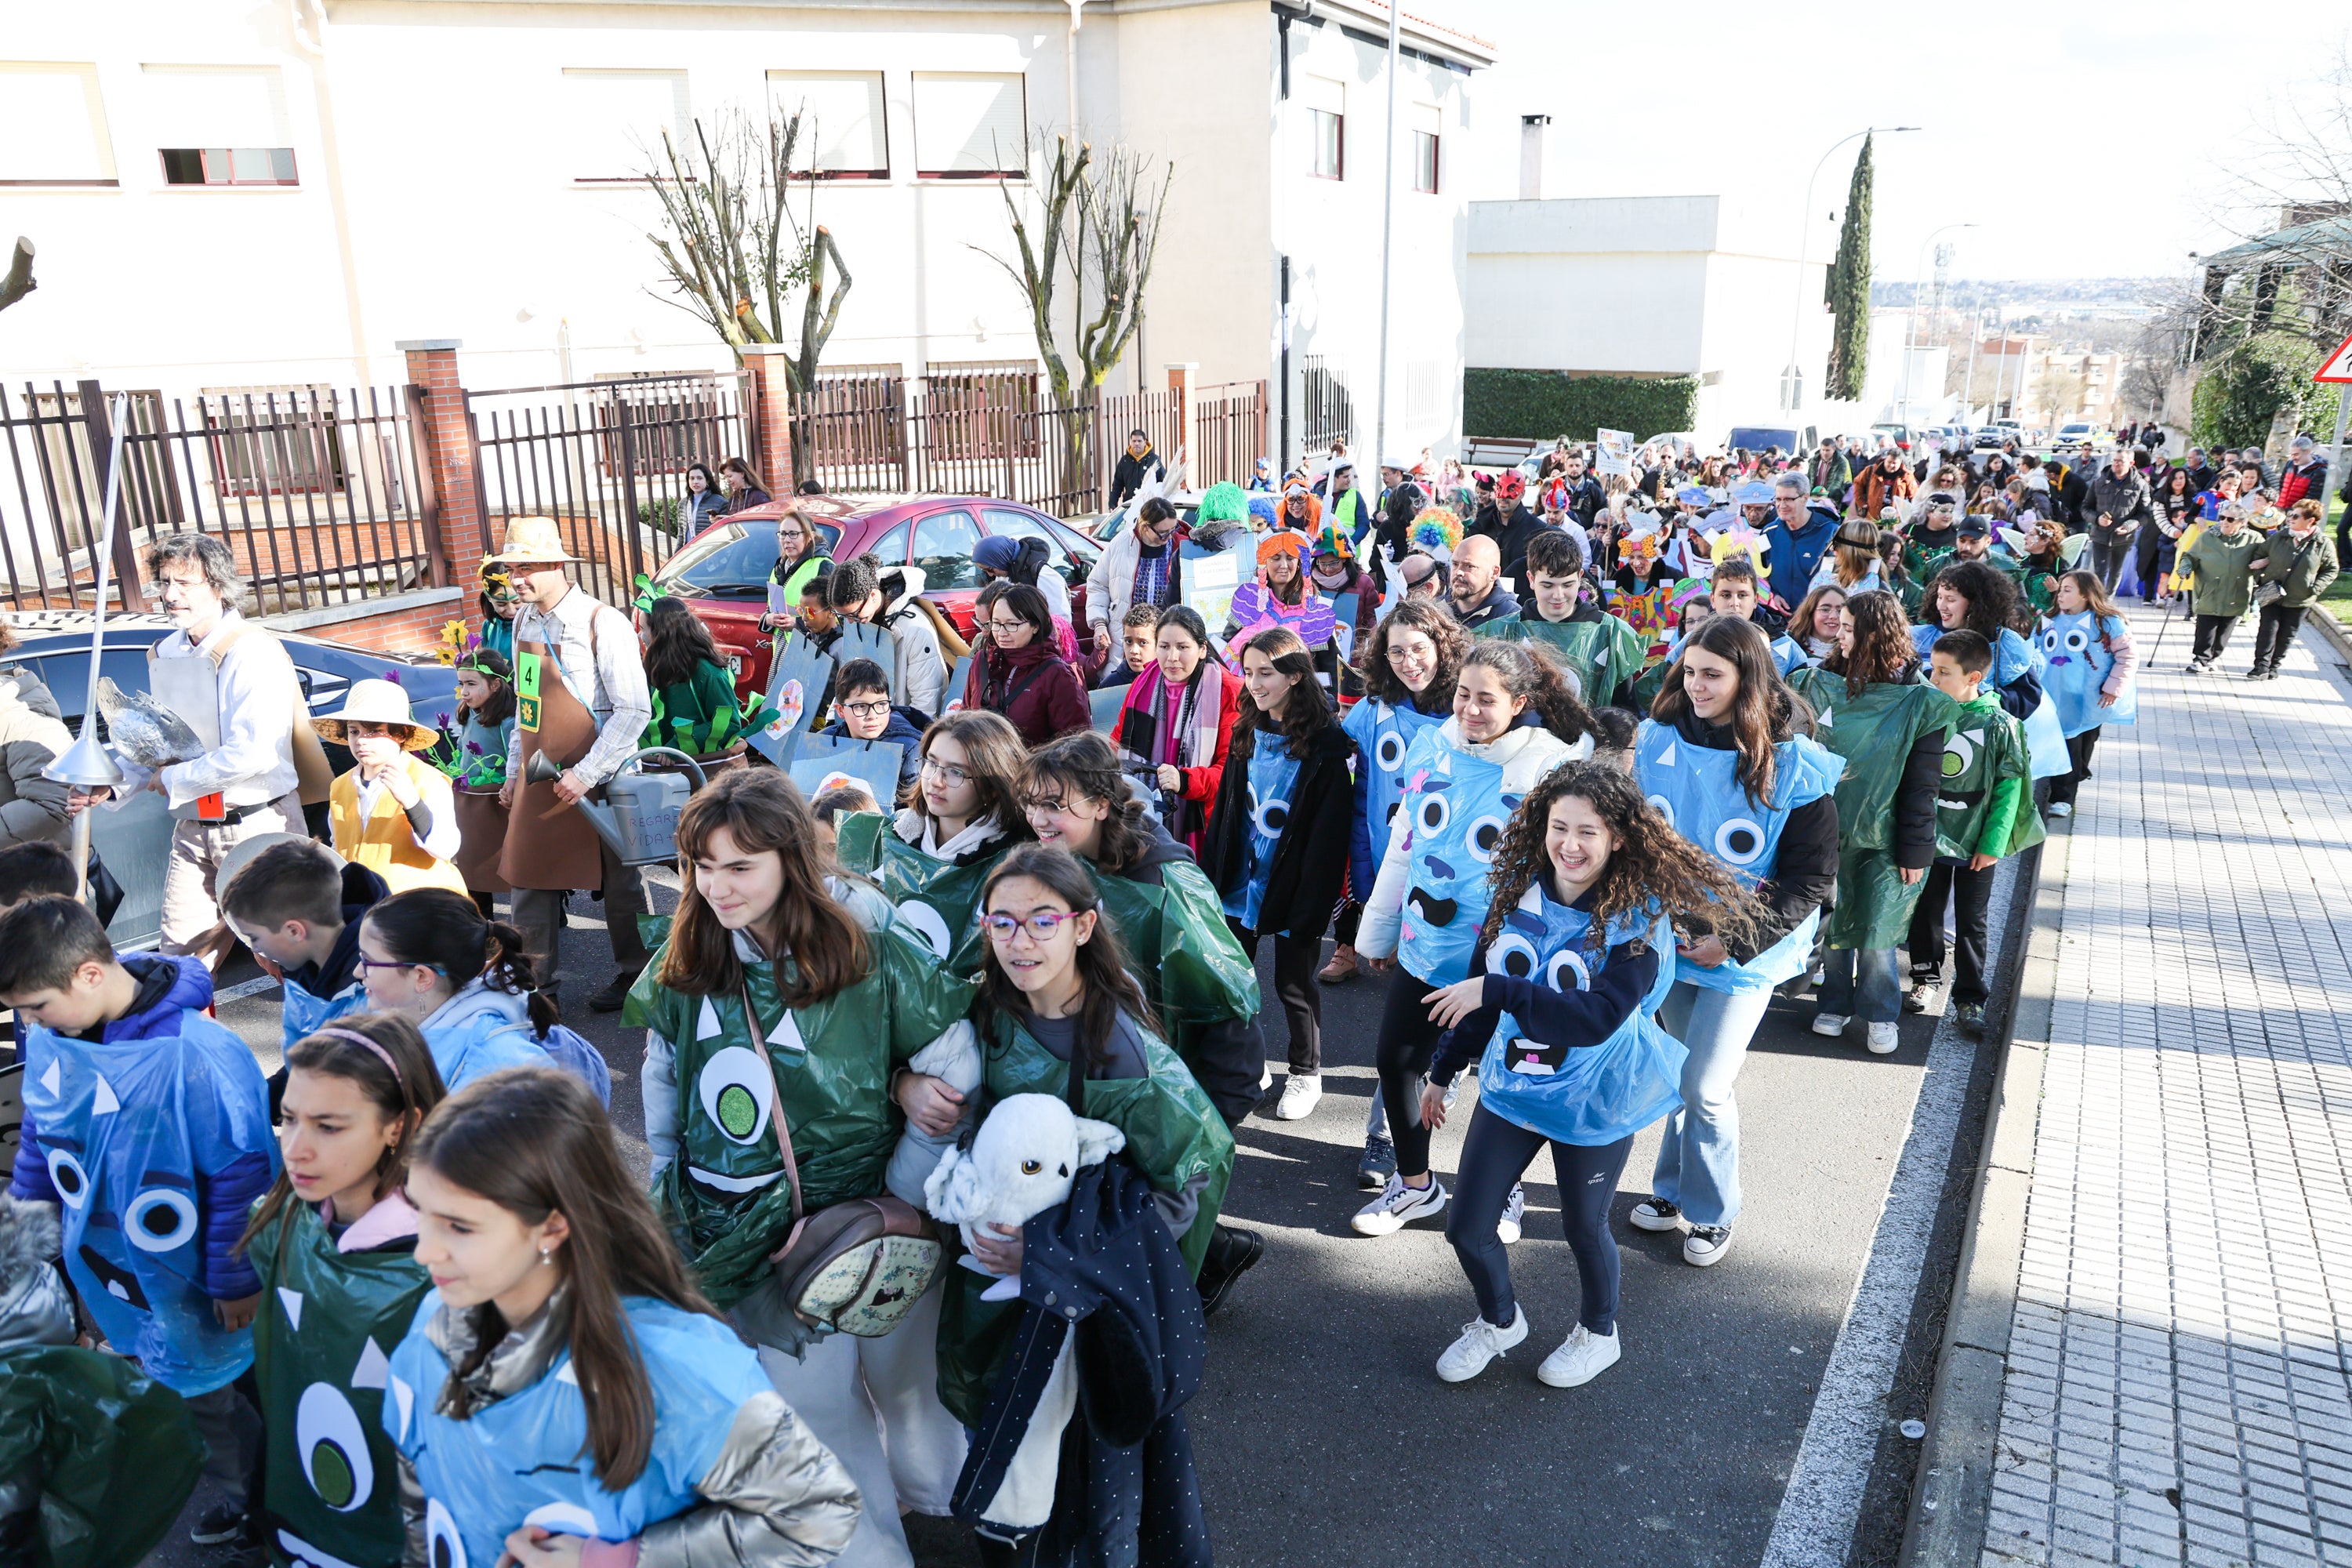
1454	811
2012	656
1273	772
1383	734
1697	790
154	1141
2075	649
1591	1095
303	1014
523	1459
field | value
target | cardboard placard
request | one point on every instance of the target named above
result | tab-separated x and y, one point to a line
794	688
860	639
958	678
527	668
824	761
1615	452
1106	702
1209	578
1343	629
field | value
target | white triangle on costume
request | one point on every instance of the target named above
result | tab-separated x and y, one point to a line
292	1301
49	1078
104	1103
1977	736
1666	758
1828	718
374	1366
787	1033
402	1398
1445	764
565	1374
708	1025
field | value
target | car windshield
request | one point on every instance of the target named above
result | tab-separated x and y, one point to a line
732	561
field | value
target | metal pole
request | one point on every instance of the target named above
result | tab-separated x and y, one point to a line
2336	452
1388	244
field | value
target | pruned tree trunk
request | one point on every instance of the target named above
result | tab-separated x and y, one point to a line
19	279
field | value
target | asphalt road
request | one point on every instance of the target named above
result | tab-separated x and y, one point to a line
1324	1436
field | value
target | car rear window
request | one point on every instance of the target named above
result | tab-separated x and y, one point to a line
732	561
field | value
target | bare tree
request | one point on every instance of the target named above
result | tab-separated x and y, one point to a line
1097	227
736	252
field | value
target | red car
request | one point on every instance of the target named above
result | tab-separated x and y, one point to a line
723	571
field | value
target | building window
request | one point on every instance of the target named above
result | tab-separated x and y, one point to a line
1326	104
229	166
1425	129
617	119
971	125
844	131
53	127
220	125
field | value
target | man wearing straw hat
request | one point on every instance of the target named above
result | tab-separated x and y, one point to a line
581	697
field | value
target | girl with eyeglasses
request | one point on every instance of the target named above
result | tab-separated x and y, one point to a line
466	982
1019	671
934	852
1059	1013
786	993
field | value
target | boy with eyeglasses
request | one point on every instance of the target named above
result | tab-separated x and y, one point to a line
862	711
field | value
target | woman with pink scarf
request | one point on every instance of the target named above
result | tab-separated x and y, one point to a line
1178	722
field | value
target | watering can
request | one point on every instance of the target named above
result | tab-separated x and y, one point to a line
638	817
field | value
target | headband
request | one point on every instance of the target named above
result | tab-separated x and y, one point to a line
381	1054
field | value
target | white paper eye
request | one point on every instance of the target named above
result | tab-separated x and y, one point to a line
1389	750
1433	814
2077	640
1567	971
1739	842
1272	816
738	1094
70	1180
333	1448
1514	956
1484	837
160	1219
444	1547
927	923
1959	756
1663	807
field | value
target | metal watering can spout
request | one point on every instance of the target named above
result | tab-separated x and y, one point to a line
638	817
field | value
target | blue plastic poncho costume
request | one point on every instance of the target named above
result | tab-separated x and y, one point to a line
1383	734
2012	656
1697	790
523	1459
1273	774
2076	649
1454	812
1591	1095
131	1131
303	1014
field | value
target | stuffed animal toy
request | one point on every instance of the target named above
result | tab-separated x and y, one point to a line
954	1059
1021	1163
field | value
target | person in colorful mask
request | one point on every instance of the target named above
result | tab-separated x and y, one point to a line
1572	960
566	1384
1729	757
2089	664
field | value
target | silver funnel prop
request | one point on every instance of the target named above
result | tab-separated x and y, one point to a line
85	764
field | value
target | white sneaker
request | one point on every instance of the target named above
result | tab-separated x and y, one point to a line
2061	808
1481	1342
1300	1094
1830	1023
1581	1357
1881	1039
1657	1214
1514	1210
1398	1206
1705	1245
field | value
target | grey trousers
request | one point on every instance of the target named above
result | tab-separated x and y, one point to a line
231	1427
539	912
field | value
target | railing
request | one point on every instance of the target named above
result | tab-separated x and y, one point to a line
608	460
1330	409
319	493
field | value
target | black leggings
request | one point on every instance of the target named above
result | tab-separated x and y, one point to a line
1295	960
1408	1039
1493	1157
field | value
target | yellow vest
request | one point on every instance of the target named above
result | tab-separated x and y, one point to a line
384	842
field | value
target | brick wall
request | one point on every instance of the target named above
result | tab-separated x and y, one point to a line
416	631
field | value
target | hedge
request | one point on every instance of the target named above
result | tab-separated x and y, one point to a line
1538	404
2242	391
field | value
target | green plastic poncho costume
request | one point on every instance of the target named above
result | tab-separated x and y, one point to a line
937	899
1986	746
328	1323
827	1065
1191	970
117	1453
1174	1136
1875	733
1602	653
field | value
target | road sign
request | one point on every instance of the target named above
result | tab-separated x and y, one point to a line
2338	368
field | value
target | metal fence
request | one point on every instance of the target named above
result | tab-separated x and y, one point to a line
1329	406
318	492
608	460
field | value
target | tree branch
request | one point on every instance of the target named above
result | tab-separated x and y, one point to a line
19	279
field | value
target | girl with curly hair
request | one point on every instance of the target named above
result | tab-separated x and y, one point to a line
1890	727
1983	598
1571	962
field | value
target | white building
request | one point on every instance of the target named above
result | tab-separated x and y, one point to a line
1656	286
232	196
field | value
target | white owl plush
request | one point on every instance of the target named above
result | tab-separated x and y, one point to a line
954	1059
1022	1163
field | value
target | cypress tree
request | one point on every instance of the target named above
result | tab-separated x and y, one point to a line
1849	289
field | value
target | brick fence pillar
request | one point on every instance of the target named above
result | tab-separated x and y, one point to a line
448	454
770	412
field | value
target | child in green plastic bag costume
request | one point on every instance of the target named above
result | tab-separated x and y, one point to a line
931	858
1601	651
335	1241
96	1459
842	992
1060	1014
1871	709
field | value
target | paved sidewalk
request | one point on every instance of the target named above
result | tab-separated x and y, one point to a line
2178	1387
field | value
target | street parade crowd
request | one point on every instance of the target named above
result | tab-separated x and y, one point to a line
948	1036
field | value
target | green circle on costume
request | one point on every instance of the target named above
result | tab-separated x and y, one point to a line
738	1111
330	1476
1955	764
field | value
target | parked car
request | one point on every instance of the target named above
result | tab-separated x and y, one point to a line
1793	441
1104	527
135	841
723	571
1899	433
2083	433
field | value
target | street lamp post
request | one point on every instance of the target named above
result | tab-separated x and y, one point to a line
1910	325
1793	378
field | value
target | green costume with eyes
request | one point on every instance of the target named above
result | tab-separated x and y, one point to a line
945	894
1875	733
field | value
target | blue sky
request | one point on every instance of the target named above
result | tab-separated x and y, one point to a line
2084	141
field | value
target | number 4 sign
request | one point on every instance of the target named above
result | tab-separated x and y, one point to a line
2338	368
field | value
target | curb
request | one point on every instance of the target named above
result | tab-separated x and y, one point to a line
2331	632
1952	1498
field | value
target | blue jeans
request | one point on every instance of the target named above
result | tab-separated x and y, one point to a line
1880	997
1699	1147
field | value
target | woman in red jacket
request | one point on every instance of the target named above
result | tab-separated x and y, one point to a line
1020	672
1178	724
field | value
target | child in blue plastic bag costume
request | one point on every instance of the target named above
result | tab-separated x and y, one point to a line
568	1380
2092	662
1572	960
149	1123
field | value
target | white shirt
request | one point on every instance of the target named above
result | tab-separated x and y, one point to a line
442	842
254	764
605	672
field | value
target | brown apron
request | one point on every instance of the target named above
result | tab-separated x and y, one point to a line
550	844
483	822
